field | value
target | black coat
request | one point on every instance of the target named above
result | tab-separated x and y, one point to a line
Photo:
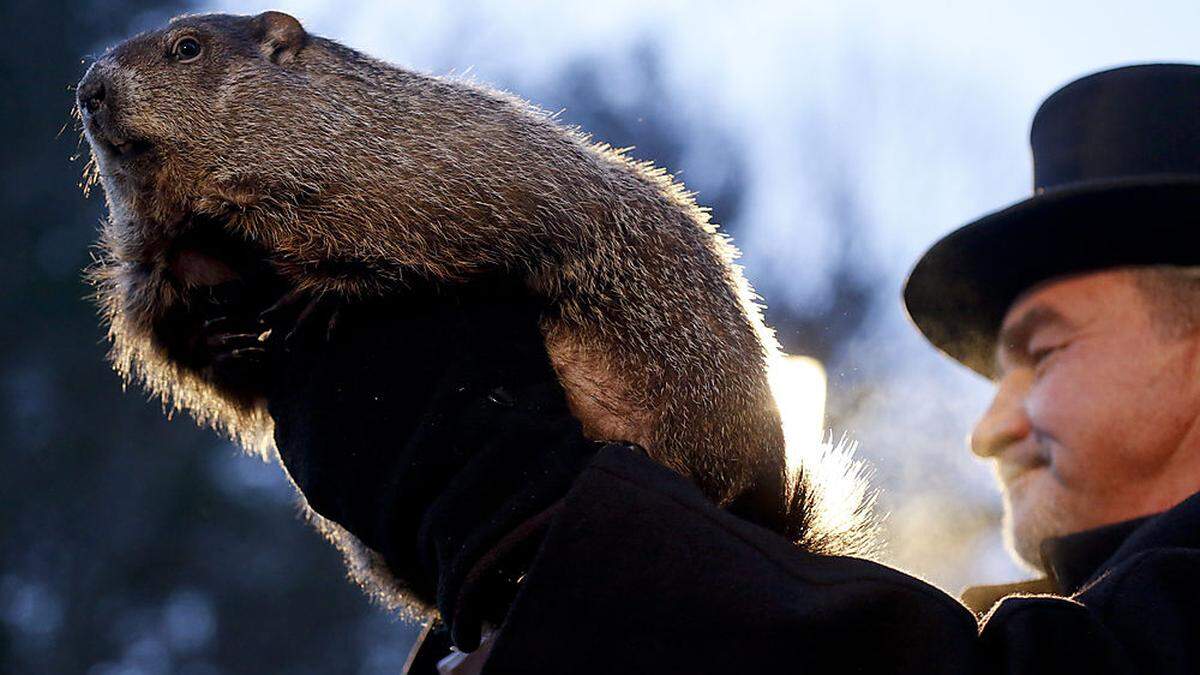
641	574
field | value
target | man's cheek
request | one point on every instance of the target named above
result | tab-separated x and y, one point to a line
1059	418
1052	405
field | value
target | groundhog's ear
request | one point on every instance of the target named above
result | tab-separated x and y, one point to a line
280	36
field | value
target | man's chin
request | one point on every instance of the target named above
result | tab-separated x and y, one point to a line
1027	523
1018	546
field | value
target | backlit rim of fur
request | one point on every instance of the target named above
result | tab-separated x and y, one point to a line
139	361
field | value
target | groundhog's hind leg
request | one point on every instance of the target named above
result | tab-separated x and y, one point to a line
766	501
597	396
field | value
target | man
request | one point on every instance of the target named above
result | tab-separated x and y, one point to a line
1128	449
1078	303
467	473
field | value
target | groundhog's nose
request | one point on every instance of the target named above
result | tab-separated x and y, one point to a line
91	91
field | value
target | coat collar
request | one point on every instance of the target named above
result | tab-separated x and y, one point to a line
1073	561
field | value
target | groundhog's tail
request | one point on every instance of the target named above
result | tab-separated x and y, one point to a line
830	506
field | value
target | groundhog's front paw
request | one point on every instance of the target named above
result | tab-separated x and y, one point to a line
300	311
218	336
237	355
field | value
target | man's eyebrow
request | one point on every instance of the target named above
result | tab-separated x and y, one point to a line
1016	335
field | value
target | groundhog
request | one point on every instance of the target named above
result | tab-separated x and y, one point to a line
238	148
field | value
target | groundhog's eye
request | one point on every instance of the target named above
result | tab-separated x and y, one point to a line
186	49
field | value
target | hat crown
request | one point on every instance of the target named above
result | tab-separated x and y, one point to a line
1128	122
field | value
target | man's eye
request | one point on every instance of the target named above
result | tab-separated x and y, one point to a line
186	49
1037	356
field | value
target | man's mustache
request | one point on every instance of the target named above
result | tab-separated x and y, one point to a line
1016	460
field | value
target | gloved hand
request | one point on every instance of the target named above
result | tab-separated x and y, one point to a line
435	430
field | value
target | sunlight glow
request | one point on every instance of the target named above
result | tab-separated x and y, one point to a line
798	383
842	484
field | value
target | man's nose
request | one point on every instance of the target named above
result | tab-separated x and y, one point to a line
1005	421
92	90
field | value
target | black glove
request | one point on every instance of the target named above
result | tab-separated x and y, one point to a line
435	430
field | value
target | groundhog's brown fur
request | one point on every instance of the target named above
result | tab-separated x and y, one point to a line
353	177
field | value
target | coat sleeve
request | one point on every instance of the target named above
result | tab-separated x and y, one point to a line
639	573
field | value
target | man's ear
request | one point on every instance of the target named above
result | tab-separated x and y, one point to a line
280	36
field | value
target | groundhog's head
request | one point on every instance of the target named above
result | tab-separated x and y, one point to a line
184	126
174	115
232	147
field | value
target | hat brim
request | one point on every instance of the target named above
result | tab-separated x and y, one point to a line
960	290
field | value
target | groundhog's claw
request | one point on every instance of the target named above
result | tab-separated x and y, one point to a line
234	342
212	324
237	357
314	307
279	310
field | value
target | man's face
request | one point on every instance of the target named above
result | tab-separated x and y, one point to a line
1095	415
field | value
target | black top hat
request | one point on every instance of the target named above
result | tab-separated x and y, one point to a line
1116	165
